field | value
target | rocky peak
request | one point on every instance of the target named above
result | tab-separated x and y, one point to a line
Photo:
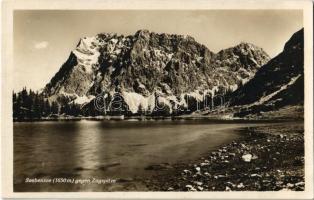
143	33
244	60
278	83
248	53
148	63
296	41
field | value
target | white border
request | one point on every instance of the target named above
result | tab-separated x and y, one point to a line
6	80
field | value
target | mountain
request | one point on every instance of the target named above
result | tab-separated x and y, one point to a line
148	70
277	84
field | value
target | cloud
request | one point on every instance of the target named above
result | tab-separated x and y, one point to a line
41	45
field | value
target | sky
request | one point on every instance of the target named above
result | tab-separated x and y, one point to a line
43	39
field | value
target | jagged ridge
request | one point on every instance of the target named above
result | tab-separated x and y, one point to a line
148	67
277	84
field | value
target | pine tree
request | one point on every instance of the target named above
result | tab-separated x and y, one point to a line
140	109
14	102
54	108
36	107
47	108
28	104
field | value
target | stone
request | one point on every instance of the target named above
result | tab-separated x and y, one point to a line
170	189
200	188
240	185
190	188
247	157
256	175
232	154
300	184
206	174
198	183
204	164
228	188
231	184
285	189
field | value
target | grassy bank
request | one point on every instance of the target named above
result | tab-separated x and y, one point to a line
266	158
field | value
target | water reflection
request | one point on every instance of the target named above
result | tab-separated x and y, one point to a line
110	149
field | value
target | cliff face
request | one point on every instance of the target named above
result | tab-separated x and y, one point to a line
277	84
148	68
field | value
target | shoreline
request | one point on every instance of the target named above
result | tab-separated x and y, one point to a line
265	158
294	113
156	118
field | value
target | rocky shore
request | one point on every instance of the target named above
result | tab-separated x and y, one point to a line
266	158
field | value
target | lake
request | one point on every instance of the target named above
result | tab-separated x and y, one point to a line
109	150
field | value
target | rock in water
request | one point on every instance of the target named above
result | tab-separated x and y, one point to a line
157	167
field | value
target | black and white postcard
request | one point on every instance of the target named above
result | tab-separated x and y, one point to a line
156	99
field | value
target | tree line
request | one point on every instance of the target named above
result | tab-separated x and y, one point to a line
28	104
31	105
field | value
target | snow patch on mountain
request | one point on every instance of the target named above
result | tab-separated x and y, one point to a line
84	99
135	101
283	87
87	53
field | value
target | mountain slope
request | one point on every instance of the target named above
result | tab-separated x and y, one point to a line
147	69
277	84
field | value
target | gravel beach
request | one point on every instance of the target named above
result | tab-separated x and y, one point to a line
265	158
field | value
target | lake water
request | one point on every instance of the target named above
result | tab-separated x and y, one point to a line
109	150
